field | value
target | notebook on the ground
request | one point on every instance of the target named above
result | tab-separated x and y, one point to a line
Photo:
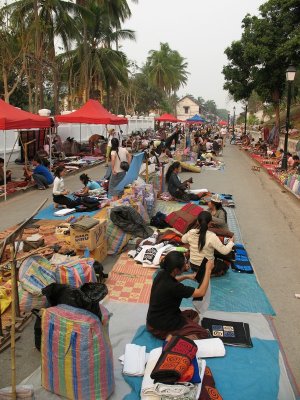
231	333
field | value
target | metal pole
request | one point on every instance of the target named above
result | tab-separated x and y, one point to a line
246	110
80	133
233	121
287	125
4	170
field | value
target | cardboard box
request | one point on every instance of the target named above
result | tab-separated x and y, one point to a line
99	254
89	239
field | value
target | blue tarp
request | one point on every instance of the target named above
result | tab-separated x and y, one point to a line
133	171
242	374
196	118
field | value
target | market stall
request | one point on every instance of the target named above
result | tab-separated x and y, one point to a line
13	118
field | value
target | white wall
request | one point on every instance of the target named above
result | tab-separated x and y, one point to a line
11	137
87	130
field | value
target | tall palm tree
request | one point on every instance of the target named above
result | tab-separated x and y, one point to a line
166	69
45	22
96	65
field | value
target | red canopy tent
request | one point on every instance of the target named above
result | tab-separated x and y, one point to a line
167	118
14	118
92	112
223	123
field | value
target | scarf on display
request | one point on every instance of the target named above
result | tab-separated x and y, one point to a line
175	362
147	254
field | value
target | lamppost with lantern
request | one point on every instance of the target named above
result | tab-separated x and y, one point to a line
290	76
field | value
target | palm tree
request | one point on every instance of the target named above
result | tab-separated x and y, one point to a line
166	69
96	66
44	22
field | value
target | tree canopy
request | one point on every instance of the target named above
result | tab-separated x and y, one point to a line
270	42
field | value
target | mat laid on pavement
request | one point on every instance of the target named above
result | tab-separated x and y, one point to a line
128	282
48	213
235	292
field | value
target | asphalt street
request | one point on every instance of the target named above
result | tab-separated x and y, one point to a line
269	218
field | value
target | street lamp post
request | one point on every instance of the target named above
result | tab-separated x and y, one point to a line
290	76
233	121
228	120
246	110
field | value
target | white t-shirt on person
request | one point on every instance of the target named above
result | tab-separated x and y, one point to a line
121	156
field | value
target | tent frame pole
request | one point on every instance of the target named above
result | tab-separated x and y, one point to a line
4	170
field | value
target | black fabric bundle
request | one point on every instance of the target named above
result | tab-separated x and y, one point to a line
130	221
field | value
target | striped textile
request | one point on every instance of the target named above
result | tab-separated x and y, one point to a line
77	359
76	273
116	238
35	273
27	301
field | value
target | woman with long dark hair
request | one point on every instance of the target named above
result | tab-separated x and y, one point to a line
164	316
203	243
118	156
176	188
88	183
218	213
60	192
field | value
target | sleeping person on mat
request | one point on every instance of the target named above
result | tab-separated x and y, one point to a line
178	189
164	316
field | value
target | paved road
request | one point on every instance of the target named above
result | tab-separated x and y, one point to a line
269	219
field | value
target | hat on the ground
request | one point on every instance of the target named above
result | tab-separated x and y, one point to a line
216	198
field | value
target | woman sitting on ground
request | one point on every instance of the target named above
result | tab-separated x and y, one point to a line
164	316
88	184
219	215
118	155
203	243
176	188
59	191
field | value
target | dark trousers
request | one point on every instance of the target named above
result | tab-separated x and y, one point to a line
40	180
64	201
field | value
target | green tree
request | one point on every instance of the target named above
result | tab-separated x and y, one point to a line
166	69
258	61
93	67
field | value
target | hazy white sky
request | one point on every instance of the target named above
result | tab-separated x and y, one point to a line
199	29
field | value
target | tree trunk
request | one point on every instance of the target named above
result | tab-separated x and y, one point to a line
276	99
5	85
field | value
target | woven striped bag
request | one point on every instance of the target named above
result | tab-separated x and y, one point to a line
76	273
77	359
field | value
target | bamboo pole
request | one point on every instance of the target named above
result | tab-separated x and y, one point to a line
13	326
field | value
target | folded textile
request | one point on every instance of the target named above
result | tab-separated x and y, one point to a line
242	262
175	360
134	360
150	254
209	390
160	391
212	347
85	223
184	218
64	211
231	333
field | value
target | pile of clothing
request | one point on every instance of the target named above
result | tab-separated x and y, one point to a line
150	251
174	371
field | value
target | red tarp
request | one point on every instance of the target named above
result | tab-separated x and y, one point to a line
92	113
167	118
13	118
